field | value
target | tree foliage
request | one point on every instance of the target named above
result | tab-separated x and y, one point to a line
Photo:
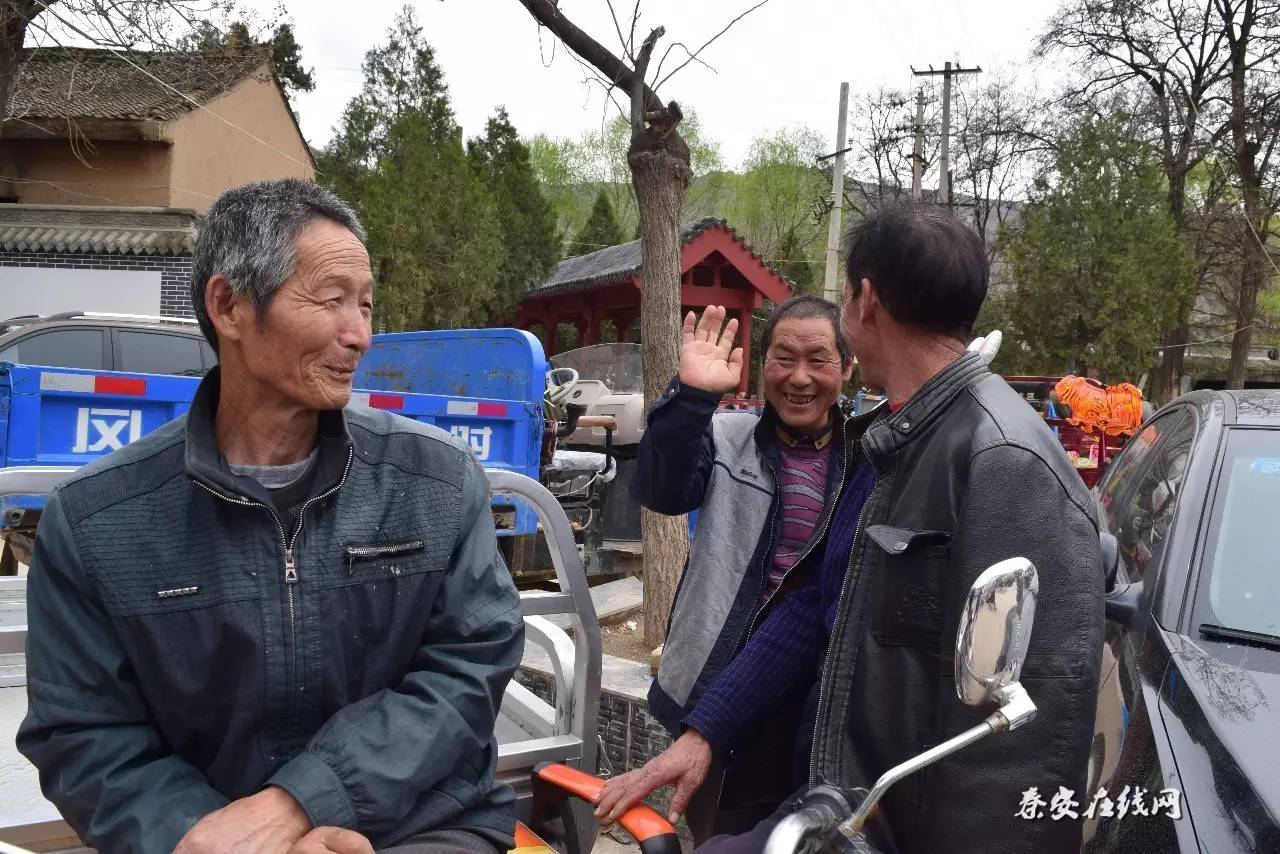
236	37
601	229
1097	267
572	172
286	54
530	243
434	234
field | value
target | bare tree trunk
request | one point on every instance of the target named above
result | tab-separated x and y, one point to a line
1166	380
1244	149
15	15
1251	280
660	179
660	175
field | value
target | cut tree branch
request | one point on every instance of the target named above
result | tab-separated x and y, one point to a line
637	82
546	13
707	44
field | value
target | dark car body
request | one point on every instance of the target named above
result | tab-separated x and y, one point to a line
1189	698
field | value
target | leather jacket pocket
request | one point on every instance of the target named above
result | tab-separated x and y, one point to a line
910	608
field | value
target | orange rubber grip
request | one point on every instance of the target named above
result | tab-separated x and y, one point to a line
640	821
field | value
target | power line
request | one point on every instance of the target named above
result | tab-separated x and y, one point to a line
965	27
73	28
902	54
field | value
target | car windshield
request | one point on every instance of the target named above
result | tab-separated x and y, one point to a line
618	366
1244	592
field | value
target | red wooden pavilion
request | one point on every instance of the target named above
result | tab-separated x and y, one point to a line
716	267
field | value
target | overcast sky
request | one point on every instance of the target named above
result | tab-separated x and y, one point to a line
780	66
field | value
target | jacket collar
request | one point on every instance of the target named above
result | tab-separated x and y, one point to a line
893	432
205	463
767	428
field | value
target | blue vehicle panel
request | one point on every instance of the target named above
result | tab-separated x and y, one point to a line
494	364
70	417
485	368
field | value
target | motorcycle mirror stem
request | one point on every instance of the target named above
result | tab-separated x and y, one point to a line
991	645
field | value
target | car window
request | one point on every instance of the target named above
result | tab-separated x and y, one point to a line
1144	519
59	348
1244	537
1117	484
158	353
210	357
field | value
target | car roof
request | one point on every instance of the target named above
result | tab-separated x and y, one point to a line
27	323
1254	407
1251	407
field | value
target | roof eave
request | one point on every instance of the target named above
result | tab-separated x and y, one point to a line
48	128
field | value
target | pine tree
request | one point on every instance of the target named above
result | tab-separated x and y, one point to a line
531	245
434	235
286	55
1097	266
601	229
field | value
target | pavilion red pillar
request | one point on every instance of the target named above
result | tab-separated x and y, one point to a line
549	334
624	321
744	335
592	335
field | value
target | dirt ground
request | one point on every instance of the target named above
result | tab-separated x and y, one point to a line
626	640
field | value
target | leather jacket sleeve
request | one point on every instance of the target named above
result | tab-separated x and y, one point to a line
1018	504
371	761
88	729
673	463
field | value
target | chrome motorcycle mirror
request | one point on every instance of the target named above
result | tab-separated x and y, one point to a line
991	645
995	630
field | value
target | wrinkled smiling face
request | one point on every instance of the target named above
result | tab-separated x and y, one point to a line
802	372
307	342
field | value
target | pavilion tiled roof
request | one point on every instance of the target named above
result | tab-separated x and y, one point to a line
618	263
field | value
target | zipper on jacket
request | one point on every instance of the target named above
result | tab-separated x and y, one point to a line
385	550
826	659
764	573
290	564
290	567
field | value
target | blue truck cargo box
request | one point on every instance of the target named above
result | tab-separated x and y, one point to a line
480	378
69	417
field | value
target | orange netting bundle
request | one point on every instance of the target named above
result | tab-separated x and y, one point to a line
1115	410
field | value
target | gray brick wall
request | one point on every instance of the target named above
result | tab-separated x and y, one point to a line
630	734
175	271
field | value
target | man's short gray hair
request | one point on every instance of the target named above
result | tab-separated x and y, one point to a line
249	238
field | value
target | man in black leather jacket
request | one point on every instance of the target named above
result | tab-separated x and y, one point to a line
966	474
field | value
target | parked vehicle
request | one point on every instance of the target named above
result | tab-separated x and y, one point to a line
1091	453
1190	691
63	414
132	343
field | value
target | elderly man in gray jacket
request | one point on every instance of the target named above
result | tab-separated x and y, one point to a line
277	624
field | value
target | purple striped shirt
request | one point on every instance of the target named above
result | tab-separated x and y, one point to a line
802	485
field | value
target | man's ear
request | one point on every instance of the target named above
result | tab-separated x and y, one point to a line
225	307
868	302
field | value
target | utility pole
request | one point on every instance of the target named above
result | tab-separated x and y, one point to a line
917	151
944	158
830	287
